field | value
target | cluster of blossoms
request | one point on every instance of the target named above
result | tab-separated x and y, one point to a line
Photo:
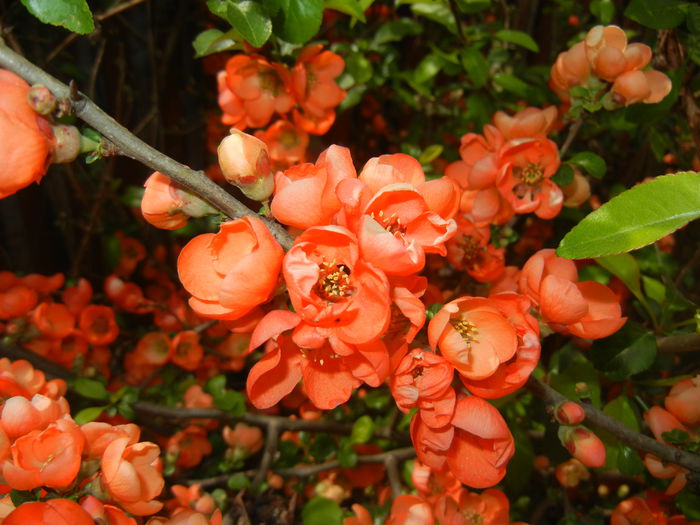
604	56
675	424
253	89
25	115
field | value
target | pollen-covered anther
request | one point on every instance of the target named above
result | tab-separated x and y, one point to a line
531	174
392	224
333	281
466	329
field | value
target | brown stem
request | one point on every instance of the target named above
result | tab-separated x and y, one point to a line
573	131
677	344
625	434
131	146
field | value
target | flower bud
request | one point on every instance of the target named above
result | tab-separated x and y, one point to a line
569	413
67	144
245	162
41	100
584	445
577	192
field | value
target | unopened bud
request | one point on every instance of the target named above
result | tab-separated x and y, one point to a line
584	445
41	100
577	192
245	162
67	144
569	413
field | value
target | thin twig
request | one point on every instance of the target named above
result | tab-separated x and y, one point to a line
271	443
678	344
625	434
131	146
573	131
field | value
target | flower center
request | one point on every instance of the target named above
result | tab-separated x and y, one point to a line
531	174
333	281
466	329
391	224
472	250
473	518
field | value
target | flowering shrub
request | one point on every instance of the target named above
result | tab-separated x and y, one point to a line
400	331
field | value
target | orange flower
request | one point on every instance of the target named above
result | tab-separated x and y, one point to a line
128	296
20	416
231	272
262	88
77	297
410	509
43	284
584	445
648	87
424	379
395	228
476	446
525	184
633	511
26	138
244	438
585	309
187	351
97	325
683	401
470	250
314	83
105	514
189	446
493	343
286	143
491	507
49	457
314	185
98	436
130	475
528	123
16	300
334	291
57	511
53	320
433	484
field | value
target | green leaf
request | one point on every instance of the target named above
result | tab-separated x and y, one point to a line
321	511
518	38
512	83
569	368
688	503
437	12
473	6
212	41
74	15
622	410
564	176
219	8
636	217
298	20
90	388
347	457
349	7
592	163
238	481
22	496
359	66
628	461
362	430
626	268
396	30
251	21
693	19
430	153
88	414
427	68
656	14
475	65
323	447
603	10
629	351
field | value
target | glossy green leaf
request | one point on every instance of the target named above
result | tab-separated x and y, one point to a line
212	41
90	388
629	351
473	6
74	15
359	66
592	163
427	68
238	481
396	30
362	430
569	368
475	65
88	414
298	20
628	461
603	10
636	217
512	83
657	14
437	12
321	511
349	7
219	7
626	268
251	21
347	457
564	176
430	153
518	38
622	410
